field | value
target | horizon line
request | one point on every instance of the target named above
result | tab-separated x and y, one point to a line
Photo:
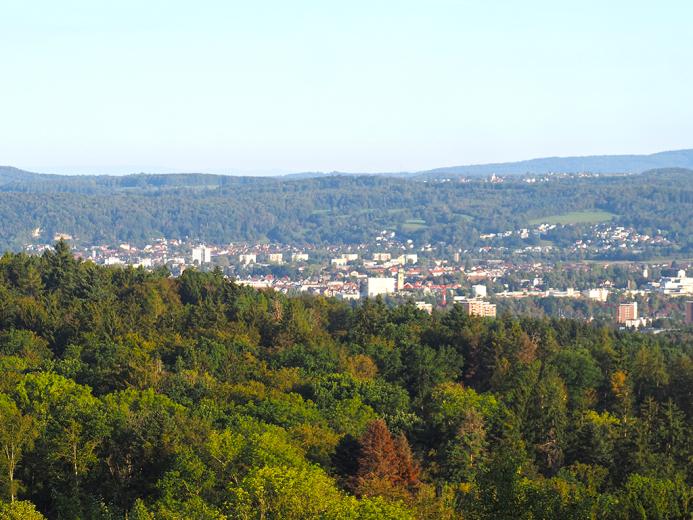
286	173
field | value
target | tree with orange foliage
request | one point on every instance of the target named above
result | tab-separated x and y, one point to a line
409	469
386	466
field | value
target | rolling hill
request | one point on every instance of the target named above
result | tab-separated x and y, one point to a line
614	164
329	209
590	163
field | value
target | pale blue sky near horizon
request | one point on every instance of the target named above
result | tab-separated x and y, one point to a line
264	87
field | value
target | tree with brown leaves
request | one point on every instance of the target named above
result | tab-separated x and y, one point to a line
386	466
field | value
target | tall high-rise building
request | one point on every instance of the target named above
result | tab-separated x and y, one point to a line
627	312
201	255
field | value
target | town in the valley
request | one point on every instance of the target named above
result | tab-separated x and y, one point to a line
652	295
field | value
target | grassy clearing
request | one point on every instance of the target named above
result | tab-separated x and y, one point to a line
576	217
414	224
465	217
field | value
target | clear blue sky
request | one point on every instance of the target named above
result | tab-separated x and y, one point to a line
279	86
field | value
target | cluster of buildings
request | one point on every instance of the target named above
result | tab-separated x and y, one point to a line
356	275
679	285
598	294
598	240
523	233
388	268
627	315
605	239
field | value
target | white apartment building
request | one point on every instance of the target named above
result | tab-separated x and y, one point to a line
379	286
201	255
600	294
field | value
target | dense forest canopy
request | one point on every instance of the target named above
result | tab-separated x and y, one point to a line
126	393
329	210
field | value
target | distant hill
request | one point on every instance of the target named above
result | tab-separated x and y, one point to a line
334	209
540	166
589	163
11	174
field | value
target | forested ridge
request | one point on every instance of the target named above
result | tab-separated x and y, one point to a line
127	393
329	210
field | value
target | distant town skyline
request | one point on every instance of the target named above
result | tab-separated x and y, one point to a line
272	88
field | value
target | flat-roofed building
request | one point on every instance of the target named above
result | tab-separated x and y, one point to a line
201	255
627	312
600	294
679	285
475	307
379	286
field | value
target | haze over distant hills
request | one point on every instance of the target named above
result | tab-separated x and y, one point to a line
539	166
544	165
589	163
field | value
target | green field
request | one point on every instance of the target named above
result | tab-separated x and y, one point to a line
465	217
413	224
576	217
